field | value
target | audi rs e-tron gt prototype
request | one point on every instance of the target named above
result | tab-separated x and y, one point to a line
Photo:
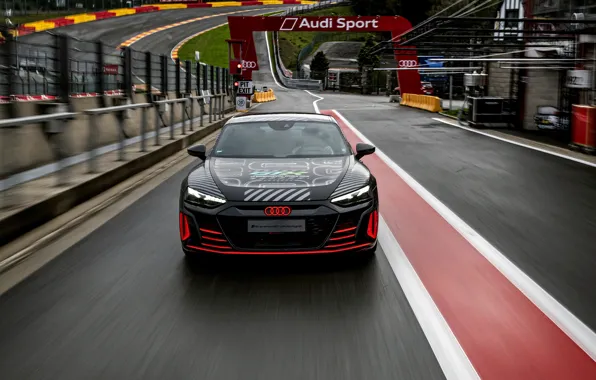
281	183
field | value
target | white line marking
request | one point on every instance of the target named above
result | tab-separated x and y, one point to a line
314	104
560	155
581	334
451	357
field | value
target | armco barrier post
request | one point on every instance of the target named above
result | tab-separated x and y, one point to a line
100	79
148	77
218	99
205	77
212	91
128	73
164	74
8	52
188	71
63	63
172	116
178	76
198	77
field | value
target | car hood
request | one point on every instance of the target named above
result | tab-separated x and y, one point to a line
278	179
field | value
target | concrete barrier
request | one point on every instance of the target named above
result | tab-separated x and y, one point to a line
425	102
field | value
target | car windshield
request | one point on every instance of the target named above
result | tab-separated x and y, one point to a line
281	139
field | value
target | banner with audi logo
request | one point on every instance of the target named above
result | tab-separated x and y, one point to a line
278	211
408	63
249	65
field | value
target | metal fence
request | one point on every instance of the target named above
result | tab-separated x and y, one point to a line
60	68
56	65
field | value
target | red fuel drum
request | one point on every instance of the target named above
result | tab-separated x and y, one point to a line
583	126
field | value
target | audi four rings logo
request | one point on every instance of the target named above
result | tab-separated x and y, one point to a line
249	65
409	63
278	211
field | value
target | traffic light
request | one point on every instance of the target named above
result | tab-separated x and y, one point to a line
236	84
239	68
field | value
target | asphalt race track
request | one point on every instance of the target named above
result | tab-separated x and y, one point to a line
122	303
114	31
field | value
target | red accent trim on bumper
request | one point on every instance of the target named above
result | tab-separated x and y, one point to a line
320	251
184	227
340	245
345	230
210	231
216	246
373	224
343	237
214	239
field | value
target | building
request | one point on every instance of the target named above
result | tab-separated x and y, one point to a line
539	85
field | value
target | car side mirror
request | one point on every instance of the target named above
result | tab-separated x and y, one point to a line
363	149
199	151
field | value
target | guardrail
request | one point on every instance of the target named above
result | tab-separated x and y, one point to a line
55	125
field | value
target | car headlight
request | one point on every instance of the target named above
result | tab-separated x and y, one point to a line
361	195
195	197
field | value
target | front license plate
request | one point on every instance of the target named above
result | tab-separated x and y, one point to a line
277	225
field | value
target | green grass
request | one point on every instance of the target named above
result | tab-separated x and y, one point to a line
212	45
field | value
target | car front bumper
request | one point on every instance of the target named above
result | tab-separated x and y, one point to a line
328	229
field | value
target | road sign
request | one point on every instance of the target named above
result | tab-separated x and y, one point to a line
245	87
241	104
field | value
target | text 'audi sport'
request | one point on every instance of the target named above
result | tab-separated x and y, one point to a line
281	183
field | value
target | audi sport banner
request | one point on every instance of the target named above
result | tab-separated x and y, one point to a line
242	28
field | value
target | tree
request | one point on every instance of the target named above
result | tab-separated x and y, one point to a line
319	66
365	56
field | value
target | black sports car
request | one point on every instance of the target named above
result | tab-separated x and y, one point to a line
281	183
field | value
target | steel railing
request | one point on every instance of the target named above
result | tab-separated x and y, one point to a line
55	125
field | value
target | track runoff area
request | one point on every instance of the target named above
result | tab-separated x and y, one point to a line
483	317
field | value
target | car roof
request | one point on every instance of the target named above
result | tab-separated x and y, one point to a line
280	116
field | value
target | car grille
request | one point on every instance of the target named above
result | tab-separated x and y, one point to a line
318	228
